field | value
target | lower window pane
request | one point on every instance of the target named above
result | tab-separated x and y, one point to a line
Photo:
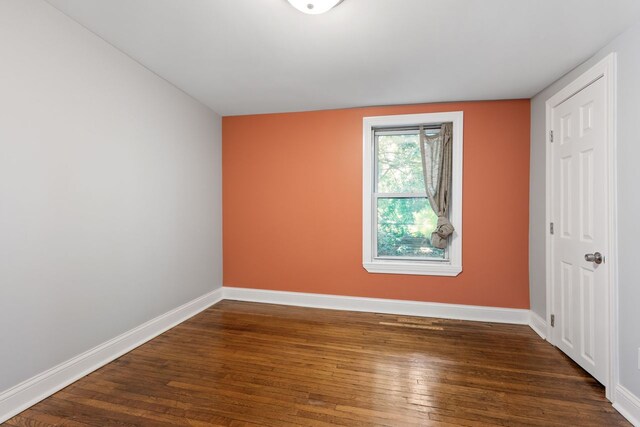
404	228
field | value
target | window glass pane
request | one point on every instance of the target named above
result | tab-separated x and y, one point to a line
404	228
399	164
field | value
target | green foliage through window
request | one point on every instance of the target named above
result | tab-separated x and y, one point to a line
404	224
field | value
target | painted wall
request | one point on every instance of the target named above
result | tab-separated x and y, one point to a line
292	205
110	192
628	129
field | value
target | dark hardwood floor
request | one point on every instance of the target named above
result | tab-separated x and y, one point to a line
240	364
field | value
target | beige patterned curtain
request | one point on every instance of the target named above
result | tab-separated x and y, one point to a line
437	165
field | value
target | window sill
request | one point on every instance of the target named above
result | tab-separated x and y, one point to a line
415	268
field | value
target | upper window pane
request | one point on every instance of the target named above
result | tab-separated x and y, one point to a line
399	164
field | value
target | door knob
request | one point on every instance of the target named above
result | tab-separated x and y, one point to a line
595	257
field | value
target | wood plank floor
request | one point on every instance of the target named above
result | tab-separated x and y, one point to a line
247	364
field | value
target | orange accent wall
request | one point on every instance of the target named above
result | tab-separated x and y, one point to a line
292	205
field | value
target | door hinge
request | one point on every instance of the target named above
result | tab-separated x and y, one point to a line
551	135
553	320
551	228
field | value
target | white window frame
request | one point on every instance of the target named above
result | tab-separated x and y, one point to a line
453	265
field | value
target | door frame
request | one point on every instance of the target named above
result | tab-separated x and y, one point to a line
605	69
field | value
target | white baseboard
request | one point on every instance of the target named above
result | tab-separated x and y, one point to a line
628	404
33	390
539	325
375	305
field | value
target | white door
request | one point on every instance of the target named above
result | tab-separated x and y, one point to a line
579	215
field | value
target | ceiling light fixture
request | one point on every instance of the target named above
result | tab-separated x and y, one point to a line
314	7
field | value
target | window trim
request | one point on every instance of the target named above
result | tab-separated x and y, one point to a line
451	267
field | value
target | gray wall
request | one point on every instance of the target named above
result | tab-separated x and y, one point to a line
110	192
627	46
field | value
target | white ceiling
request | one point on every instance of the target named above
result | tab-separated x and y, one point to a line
259	56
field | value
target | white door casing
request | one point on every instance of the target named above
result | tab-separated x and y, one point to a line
581	205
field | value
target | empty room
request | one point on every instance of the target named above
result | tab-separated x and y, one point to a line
319	213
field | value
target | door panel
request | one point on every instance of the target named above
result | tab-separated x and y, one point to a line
579	209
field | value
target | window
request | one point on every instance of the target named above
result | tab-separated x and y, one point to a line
398	219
